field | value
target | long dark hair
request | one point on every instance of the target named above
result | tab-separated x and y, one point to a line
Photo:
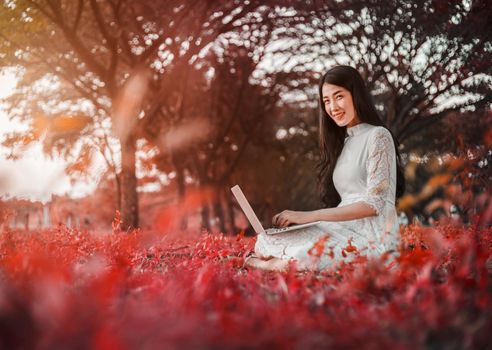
331	136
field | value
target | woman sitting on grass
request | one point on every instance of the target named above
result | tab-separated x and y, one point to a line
360	174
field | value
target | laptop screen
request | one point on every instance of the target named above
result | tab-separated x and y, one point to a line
248	211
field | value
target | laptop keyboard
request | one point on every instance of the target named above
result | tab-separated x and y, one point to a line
276	230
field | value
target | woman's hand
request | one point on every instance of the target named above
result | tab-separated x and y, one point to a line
288	217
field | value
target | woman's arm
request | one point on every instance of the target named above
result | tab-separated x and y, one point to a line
352	211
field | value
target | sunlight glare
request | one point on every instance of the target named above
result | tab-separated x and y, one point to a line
8	82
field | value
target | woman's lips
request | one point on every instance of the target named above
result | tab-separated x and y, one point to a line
338	116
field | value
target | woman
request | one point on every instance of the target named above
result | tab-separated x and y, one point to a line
360	175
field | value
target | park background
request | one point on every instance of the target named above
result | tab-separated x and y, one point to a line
120	114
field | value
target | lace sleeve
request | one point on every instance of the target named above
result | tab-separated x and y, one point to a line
381	156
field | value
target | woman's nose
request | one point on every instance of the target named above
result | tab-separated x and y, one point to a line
333	106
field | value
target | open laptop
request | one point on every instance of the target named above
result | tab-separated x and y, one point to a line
253	219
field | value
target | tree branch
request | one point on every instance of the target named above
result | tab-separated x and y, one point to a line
78	15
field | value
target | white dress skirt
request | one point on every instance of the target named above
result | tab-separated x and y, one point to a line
365	172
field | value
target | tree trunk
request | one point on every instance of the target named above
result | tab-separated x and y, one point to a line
205	217
117	183
128	178
218	212
180	181
230	214
26	221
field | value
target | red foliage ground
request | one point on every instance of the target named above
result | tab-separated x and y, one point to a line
69	289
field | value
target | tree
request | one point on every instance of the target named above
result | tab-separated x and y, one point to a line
98	52
239	113
421	59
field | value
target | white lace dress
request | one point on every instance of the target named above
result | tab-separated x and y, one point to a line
365	171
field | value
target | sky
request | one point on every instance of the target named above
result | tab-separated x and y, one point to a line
34	176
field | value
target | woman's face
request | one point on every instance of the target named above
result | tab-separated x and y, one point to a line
338	103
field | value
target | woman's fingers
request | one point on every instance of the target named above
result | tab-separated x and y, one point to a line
281	219
275	219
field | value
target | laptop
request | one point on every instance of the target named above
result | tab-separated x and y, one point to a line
253	219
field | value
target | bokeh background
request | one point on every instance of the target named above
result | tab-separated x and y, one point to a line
155	109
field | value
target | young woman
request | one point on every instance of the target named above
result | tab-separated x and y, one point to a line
360	175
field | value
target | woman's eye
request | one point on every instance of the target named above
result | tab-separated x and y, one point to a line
336	98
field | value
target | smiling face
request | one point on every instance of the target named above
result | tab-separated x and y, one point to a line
338	103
